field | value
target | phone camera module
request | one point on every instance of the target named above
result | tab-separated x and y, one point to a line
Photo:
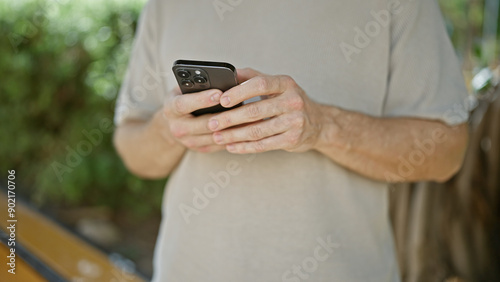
199	79
183	73
187	83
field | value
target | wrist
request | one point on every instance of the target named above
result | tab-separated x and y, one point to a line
159	126
333	134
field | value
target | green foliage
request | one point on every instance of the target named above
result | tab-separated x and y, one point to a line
61	66
465	20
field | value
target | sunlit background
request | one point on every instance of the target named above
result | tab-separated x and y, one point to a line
61	65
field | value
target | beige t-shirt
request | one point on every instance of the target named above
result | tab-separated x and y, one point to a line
280	216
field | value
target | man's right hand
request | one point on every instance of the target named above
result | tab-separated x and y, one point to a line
191	131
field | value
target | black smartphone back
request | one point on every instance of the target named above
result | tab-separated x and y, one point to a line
196	76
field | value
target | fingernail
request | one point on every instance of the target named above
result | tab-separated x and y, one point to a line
215	98
225	101
218	138
212	124
231	148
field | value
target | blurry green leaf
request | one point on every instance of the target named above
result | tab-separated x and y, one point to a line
61	66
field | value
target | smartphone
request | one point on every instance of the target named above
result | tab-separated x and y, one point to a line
196	76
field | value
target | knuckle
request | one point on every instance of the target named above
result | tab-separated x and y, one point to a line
225	120
261	83
296	103
298	121
277	125
290	119
178	105
177	130
279	122
256	132
190	143
293	139
241	149
253	111
288	80
227	137
259	146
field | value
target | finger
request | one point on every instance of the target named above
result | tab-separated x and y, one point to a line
247	113
246	74
185	104
210	149
197	141
254	131
190	126
256	86
275	142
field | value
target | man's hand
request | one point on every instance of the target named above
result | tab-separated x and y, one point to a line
372	146
190	131
286	120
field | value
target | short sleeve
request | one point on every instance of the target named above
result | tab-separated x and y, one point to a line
425	78
143	87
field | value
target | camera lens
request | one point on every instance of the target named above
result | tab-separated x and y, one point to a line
187	83
183	73
199	79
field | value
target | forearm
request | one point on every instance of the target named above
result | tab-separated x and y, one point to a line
392	149
147	148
